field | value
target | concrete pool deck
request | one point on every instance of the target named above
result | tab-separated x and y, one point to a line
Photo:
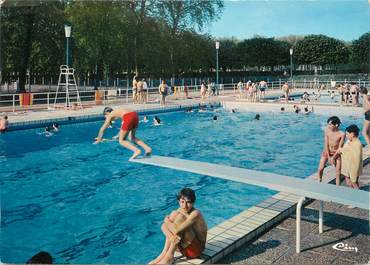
349	226
265	233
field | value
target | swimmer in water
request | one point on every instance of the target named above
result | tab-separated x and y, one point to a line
156	121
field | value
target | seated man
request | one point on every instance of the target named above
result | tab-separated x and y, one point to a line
185	230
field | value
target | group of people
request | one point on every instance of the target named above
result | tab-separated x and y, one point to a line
346	157
51	129
139	90
252	91
208	90
306	110
349	93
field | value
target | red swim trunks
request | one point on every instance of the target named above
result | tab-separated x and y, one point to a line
194	250
324	154
130	121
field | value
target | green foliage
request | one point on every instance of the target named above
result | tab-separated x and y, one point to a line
155	38
184	15
360	50
99	30
31	38
228	54
263	52
321	50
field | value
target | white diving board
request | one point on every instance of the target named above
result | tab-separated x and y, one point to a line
301	187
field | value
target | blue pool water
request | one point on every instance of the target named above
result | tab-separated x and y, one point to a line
86	203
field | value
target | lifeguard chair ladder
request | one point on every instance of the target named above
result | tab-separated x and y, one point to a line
67	81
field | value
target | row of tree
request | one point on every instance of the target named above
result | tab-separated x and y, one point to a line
150	37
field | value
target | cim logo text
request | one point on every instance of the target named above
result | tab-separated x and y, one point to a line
344	247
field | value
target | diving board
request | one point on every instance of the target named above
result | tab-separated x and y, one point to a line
302	187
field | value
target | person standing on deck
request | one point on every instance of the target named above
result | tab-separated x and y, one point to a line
351	154
135	80
286	90
163	91
366	127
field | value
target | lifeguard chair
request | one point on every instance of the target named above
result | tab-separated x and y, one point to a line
67	83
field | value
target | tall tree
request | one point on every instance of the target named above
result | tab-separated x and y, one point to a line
99	31
321	50
186	14
360	51
196	53
261	51
31	33
228	57
140	12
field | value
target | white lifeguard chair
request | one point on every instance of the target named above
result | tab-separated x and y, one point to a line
67	83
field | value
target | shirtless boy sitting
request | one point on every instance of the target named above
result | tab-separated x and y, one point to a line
333	140
185	230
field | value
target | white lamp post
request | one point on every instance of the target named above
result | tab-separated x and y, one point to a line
217	48
67	30
291	63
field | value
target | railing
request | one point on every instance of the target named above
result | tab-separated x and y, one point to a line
45	100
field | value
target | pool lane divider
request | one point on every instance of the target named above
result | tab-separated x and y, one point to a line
248	225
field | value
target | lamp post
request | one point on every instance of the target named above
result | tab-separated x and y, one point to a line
217	47
67	30
291	63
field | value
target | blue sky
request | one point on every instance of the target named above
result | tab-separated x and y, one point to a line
342	19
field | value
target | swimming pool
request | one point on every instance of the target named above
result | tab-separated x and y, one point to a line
86	203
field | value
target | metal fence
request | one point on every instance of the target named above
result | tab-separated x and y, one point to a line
112	95
49	85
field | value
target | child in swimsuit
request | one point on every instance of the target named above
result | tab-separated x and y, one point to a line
351	154
185	230
333	140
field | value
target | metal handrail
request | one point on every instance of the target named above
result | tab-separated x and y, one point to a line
42	99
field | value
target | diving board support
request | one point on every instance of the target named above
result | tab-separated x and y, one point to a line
298	225
321	216
298	221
